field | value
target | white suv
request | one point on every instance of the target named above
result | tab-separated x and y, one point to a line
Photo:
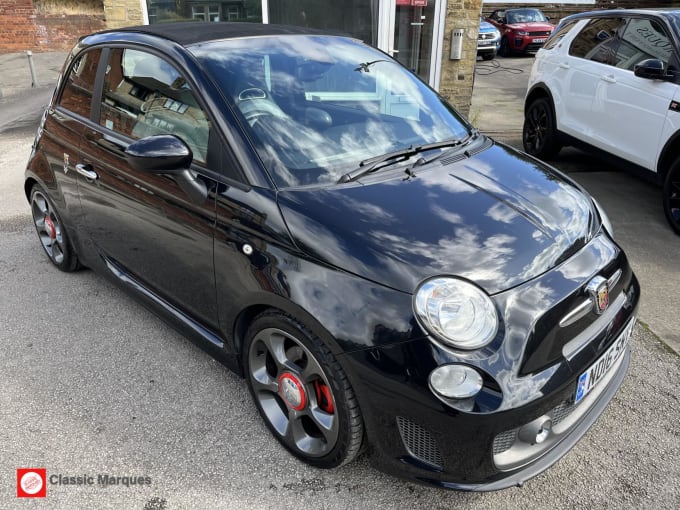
610	81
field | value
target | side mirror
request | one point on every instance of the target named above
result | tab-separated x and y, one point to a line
652	69
167	154
159	154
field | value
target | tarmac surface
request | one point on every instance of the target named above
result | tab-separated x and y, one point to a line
94	383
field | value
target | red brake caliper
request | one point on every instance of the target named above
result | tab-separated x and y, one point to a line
323	397
49	228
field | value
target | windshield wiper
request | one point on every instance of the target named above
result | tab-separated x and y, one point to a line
372	164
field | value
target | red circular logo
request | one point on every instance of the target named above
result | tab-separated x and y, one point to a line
292	392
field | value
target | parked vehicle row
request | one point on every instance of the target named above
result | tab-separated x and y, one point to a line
522	30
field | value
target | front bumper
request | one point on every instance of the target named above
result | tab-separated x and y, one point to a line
413	434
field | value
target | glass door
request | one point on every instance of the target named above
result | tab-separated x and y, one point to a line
415	24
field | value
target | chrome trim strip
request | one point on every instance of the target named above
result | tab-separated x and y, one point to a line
614	279
574	346
578	312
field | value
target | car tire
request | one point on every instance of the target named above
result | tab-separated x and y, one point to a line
539	134
671	196
505	50
301	391
488	56
52	232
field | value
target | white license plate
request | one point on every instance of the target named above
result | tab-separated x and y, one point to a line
540	40
486	43
589	379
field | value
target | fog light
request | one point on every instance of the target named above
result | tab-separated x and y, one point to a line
537	431
456	381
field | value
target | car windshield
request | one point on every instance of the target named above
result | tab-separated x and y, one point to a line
316	107
525	16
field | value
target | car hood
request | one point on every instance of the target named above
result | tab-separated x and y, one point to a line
497	218
534	26
485	27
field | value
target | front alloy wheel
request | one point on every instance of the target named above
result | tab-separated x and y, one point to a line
539	135
302	392
671	196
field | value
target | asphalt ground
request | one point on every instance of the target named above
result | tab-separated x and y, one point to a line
92	383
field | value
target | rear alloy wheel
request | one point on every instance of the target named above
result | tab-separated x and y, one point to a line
539	134
51	232
671	196
302	392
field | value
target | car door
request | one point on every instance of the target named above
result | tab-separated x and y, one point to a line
142	225
65	125
591	53
631	111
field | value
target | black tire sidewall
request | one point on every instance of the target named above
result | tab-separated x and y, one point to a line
345	449
667	189
550	146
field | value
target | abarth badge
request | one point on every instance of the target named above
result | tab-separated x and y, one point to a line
598	288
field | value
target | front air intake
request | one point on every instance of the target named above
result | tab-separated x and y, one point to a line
419	442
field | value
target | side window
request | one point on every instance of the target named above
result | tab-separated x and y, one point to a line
643	39
558	34
598	40
144	95
77	93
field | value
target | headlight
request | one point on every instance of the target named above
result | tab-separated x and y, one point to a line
522	32
496	35
456	312
604	218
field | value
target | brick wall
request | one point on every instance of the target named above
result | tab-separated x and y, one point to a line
457	76
23	28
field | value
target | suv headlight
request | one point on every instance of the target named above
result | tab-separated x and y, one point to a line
456	312
522	32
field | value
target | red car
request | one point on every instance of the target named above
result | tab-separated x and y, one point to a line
522	30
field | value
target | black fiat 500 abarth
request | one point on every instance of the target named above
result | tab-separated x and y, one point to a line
382	274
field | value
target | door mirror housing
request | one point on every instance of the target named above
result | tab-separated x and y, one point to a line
167	154
652	69
159	154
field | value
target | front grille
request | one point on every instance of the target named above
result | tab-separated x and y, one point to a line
539	34
483	37
419	442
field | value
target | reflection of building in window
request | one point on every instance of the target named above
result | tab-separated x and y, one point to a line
204	10
597	39
643	39
144	96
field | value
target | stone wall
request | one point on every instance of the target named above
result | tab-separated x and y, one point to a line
457	76
123	13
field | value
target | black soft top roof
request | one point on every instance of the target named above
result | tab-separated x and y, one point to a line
187	33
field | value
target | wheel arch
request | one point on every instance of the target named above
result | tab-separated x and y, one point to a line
540	91
669	153
245	317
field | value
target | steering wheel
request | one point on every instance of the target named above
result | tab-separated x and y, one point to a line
255	103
